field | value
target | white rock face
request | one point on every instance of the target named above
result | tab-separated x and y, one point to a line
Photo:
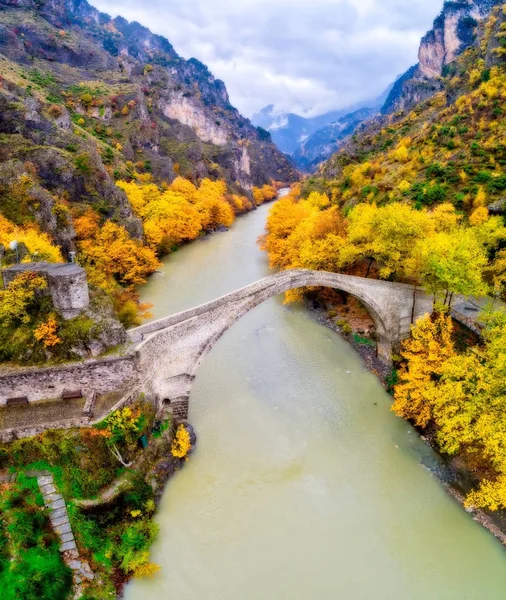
96	113
442	45
183	110
245	164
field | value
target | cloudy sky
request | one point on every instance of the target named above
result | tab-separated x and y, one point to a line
303	56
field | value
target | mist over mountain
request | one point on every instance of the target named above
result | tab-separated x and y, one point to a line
311	140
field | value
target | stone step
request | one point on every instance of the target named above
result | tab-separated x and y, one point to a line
63	529
66	546
60	503
46	480
58	513
67	537
48	489
49	498
60	522
57	522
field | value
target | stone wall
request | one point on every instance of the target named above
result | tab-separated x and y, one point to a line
84	420
96	376
67	285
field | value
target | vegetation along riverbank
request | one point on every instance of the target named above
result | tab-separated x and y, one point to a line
111	478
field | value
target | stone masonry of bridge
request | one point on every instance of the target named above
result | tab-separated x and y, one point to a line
170	350
166	354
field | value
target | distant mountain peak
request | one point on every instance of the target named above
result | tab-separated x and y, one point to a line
310	140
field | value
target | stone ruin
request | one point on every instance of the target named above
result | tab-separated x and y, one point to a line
67	285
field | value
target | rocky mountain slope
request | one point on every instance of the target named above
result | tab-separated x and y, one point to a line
309	141
453	32
289	130
86	99
324	142
448	148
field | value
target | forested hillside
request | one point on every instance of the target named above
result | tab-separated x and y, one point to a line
113	146
421	200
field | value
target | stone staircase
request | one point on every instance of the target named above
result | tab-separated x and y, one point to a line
59	518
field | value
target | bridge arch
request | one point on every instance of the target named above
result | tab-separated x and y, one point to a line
171	350
384	343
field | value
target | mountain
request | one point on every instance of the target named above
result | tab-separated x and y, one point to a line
86	99
452	33
309	141
449	148
324	142
289	130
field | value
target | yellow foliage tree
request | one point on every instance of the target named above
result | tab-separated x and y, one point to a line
425	352
181	444
17	300
38	243
112	256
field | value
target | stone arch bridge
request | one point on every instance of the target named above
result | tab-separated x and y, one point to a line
170	350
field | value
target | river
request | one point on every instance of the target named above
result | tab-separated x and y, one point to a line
303	484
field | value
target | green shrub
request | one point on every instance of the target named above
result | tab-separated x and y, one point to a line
363	341
345	327
39	574
82	163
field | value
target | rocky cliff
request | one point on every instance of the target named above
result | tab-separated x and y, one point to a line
452	33
86	99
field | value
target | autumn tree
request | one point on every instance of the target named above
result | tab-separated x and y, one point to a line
387	234
424	354
112	256
282	221
178	213
39	245
264	194
19	300
453	263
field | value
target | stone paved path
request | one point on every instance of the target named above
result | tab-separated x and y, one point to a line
59	518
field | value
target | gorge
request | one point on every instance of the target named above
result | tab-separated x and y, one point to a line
167	417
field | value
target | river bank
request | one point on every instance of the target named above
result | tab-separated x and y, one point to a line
106	484
454	475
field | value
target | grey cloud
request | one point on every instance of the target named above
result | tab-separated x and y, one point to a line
299	55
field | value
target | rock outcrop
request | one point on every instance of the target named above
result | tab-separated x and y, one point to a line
452	33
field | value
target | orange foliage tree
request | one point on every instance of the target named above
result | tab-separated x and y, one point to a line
179	212
111	256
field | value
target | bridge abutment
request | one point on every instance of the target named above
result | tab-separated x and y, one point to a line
384	350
